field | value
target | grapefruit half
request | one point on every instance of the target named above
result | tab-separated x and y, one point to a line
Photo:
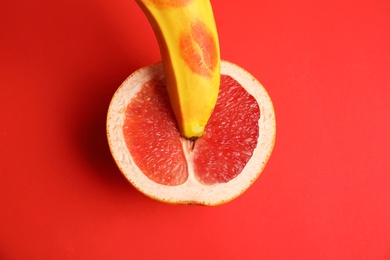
146	145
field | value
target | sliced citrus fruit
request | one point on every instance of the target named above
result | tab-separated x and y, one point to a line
146	144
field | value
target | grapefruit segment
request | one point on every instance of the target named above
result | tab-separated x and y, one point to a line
223	163
230	135
152	135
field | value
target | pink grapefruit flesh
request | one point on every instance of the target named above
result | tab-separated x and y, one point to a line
152	135
154	141
230	135
220	165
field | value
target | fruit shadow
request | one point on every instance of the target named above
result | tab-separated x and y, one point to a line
111	63
89	134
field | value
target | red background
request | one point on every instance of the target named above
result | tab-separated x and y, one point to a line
325	193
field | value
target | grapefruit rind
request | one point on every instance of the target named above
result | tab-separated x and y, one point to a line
192	191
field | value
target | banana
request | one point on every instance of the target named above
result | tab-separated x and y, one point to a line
188	41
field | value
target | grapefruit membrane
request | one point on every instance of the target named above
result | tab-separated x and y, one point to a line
146	144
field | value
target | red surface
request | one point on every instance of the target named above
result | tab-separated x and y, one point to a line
325	194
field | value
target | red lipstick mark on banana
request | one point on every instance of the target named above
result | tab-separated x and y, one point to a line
198	49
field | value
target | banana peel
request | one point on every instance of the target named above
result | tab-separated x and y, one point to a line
188	41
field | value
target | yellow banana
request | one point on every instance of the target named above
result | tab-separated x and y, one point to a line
189	47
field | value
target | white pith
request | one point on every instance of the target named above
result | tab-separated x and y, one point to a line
191	191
